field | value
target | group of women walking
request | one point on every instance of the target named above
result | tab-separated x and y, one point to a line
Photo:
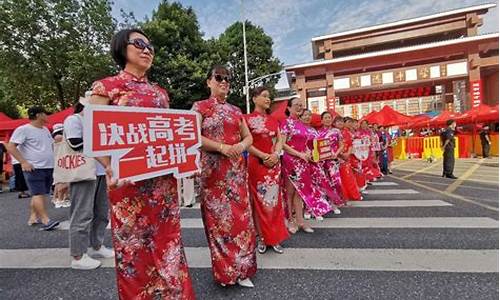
247	205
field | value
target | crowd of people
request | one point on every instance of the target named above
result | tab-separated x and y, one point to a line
258	185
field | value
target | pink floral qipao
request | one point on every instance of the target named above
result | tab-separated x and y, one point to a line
308	178
331	167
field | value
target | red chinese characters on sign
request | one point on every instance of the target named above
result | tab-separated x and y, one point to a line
143	142
476	92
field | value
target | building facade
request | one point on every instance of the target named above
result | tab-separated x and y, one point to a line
431	63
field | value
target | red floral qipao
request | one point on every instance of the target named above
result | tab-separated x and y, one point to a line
370	166
225	205
349	185
355	163
145	217
264	182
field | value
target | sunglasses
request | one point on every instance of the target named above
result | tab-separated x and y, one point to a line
141	44
220	78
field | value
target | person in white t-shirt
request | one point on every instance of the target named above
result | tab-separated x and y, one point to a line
89	205
32	146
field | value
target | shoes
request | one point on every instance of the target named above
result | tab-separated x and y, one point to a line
307	229
189	205
451	176
261	247
103	252
292	227
23	195
319	218
85	263
336	211
307	216
50	225
246	283
278	249
36	222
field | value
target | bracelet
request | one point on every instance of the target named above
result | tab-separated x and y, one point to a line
220	147
242	145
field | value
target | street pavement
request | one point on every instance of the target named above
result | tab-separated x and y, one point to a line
415	236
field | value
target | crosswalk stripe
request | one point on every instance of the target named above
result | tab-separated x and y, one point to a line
384	183
423	260
428	222
399	203
390	192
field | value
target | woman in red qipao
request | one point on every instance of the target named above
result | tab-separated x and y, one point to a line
145	216
225	204
350	132
349	185
264	174
370	165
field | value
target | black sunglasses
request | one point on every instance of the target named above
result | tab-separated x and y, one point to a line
141	44
220	78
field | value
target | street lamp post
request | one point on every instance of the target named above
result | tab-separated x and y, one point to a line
245	90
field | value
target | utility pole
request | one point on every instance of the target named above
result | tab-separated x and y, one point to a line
245	89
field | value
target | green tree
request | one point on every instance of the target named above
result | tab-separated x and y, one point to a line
259	53
52	50
181	53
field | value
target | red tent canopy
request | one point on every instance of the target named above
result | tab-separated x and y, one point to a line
52	119
440	120
480	114
418	119
387	116
4	117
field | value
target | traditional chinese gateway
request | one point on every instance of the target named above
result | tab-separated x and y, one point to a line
436	62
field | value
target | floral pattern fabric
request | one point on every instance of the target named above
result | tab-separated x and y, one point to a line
332	167
315	193
225	204
145	217
264	182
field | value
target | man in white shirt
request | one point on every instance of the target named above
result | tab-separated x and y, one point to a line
32	146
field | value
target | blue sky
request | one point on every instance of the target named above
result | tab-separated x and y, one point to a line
292	23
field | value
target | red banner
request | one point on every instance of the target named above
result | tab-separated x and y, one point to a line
476	92
143	142
322	149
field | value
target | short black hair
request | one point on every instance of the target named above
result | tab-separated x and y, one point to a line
289	104
78	107
257	91
119	45
449	122
34	111
325	113
218	69
339	118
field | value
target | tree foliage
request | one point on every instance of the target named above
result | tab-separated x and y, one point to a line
259	53
52	50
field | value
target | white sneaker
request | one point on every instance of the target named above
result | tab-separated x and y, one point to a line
336	211
103	252
319	218
85	263
246	283
307	216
